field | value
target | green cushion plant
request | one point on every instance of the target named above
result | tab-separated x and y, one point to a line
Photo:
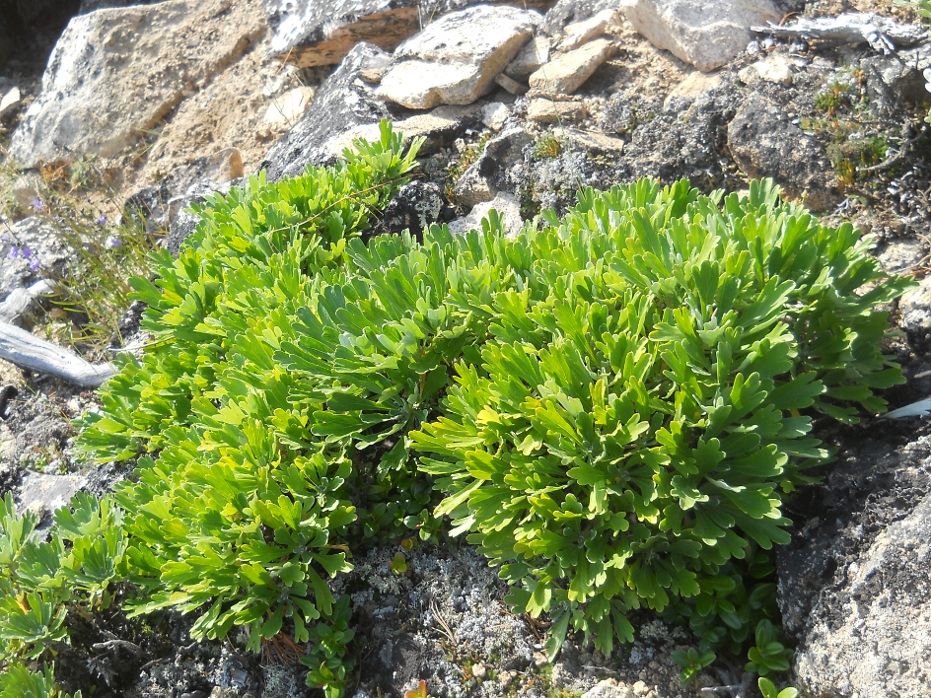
74	569
638	414
612	405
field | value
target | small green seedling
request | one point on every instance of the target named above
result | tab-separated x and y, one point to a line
768	690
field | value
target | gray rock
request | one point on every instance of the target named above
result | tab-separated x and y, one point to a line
883	34
568	71
9	101
609	688
870	636
534	54
915	311
311	33
29	249
704	34
438	127
681	135
455	60
117	72
343	102
566	12
321	32
43	493
902	256
415	207
149	206
545	110
854	582
489	173
507	206
897	77
578	33
765	143
181	222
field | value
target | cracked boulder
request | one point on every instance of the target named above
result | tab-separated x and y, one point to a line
344	102
707	35
116	73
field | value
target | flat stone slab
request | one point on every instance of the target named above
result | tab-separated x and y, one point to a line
568	71
436	69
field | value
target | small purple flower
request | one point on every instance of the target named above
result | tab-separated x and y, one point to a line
14	252
34	263
25	253
37	204
102	220
113	242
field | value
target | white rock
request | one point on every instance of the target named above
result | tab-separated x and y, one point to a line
692	87
545	110
455	60
223	165
286	109
504	203
116	72
495	114
426	84
509	84
915	309
608	688
535	53
705	34
567	72
43	494
772	68
10	100
589	141
579	33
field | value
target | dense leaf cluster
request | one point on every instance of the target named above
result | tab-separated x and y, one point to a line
611	405
41	581
637	413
